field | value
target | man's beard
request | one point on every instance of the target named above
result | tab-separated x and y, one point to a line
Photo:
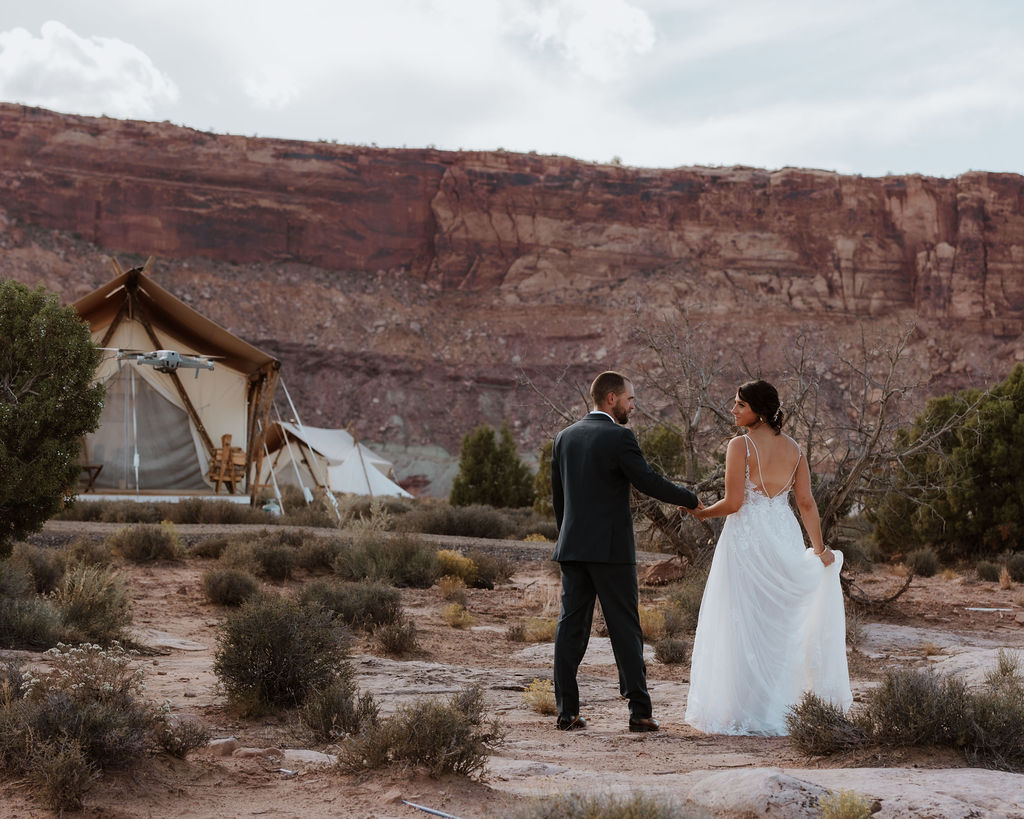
622	416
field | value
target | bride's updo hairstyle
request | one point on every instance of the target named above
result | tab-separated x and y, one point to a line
763	399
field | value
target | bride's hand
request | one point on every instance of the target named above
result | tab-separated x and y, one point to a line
827	557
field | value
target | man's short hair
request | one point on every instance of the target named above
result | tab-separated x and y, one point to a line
605	383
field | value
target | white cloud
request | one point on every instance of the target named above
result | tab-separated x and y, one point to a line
88	75
598	38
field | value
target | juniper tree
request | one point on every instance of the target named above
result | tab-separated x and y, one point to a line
490	471
48	401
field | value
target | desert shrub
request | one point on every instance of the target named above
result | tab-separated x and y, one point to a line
457	565
130	512
29	622
457	616
239	554
180	736
459	521
516	632
445	738
539	696
317	554
11	682
923	562
397	638
146	543
378	512
59	773
198	510
229	587
1015	566
314	514
94	604
90	697
338	709
209	547
276	560
273	652
46	566
596	806
537	537
490	570
988	571
844	804
671	650
15	578
452	588
401	561
685	598
817	727
912	707
359	605
89	552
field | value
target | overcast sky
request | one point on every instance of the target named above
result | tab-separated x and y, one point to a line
857	86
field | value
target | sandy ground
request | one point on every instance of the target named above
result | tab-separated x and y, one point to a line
931	625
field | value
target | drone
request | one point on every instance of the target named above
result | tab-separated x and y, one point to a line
166	361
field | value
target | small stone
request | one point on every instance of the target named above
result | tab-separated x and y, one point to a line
222	747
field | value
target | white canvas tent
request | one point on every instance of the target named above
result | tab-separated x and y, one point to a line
159	431
332	459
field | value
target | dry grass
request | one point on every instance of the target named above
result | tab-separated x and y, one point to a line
844	804
1005	581
929	649
652	623
540	629
539	696
457	616
452	588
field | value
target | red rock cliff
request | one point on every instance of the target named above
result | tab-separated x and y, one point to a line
385	276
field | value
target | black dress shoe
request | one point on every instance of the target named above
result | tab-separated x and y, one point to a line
576	723
641	725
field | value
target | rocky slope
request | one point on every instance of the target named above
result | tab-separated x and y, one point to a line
405	290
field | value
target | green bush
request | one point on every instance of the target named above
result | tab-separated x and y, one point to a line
317	554
490	472
397	638
229	587
1015	567
274	652
145	543
923	562
817	727
29	623
988	571
917	708
458	521
94	604
445	738
671	650
399	560
209	547
967	500
491	570
364	605
338	710
276	560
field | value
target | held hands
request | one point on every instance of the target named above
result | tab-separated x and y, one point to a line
697	511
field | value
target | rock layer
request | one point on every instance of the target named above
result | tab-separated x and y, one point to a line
405	290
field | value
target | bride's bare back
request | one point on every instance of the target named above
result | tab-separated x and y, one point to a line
772	461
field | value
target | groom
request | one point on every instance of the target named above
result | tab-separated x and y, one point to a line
593	464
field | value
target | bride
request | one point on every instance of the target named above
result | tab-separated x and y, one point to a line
772	623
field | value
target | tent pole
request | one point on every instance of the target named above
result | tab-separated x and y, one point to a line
306	493
362	463
298	421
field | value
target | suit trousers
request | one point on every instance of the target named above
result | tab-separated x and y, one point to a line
615	585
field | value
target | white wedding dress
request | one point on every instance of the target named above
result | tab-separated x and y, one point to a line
772	623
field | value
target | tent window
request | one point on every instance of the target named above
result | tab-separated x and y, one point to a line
167	453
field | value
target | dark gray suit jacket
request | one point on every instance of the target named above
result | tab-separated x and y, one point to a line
593	464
